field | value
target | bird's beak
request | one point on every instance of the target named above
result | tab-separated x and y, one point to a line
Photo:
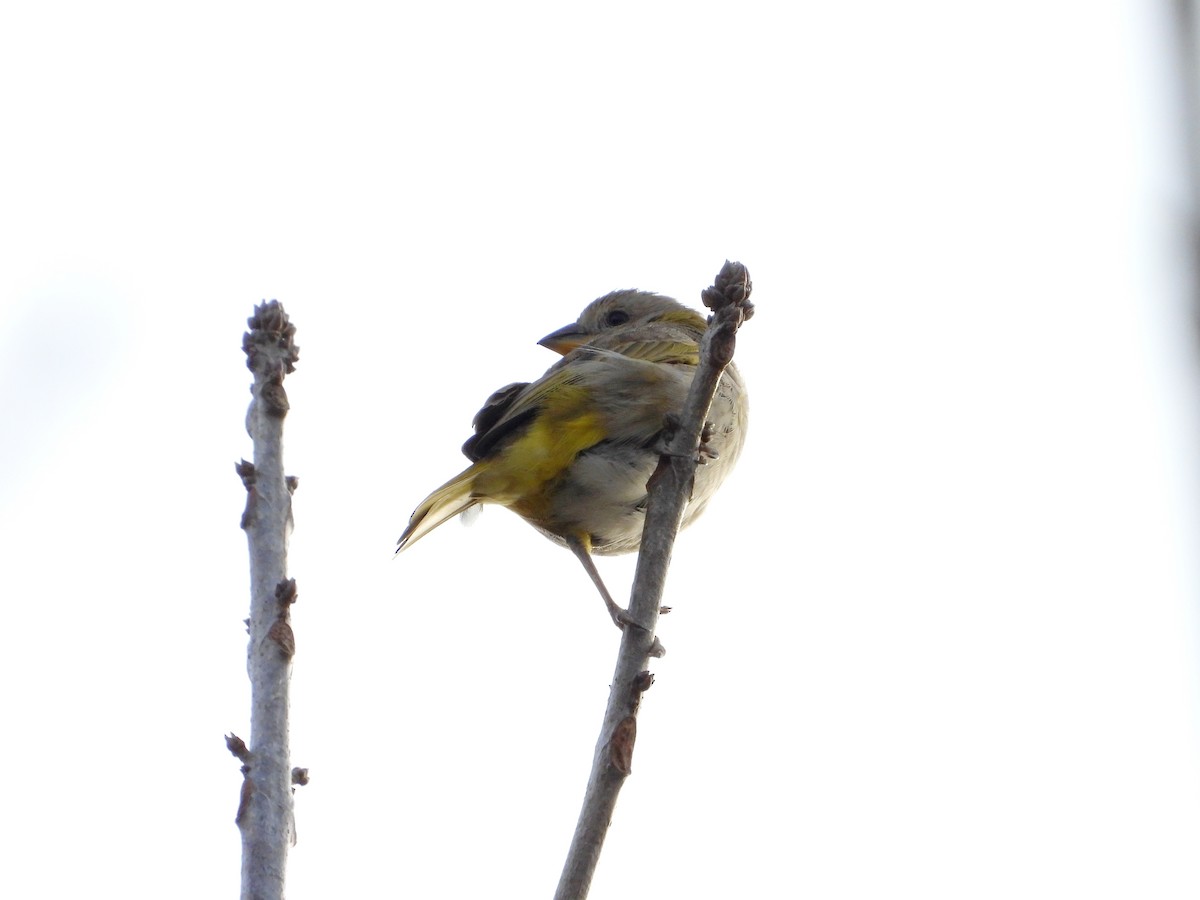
565	339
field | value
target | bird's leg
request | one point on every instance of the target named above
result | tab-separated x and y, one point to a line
581	546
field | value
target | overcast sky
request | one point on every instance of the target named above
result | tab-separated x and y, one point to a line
936	636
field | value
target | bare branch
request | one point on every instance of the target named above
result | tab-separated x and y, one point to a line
265	809
1187	62
669	490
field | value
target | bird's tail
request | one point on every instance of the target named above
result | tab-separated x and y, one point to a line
445	503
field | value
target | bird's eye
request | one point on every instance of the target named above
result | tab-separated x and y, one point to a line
616	317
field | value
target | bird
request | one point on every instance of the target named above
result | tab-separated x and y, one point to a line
571	452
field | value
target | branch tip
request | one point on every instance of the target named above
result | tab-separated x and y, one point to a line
270	329
731	287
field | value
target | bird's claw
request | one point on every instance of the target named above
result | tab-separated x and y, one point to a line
704	452
621	618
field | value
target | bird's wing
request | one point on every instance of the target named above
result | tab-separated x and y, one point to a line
509	410
614	358
494	409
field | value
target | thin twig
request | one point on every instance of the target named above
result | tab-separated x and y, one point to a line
265	809
1187	64
669	490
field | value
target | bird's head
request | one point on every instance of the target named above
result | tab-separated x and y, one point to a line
622	309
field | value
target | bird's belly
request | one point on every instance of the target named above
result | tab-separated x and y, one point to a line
603	495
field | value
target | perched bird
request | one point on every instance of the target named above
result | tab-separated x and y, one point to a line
571	452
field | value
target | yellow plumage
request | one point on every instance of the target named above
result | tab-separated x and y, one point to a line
571	452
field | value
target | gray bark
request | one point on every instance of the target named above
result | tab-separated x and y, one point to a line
669	490
265	814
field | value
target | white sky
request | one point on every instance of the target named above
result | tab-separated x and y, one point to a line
938	635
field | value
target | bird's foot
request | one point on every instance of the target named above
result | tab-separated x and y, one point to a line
704	452
621	616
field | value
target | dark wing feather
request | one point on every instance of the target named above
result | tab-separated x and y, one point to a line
494	408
